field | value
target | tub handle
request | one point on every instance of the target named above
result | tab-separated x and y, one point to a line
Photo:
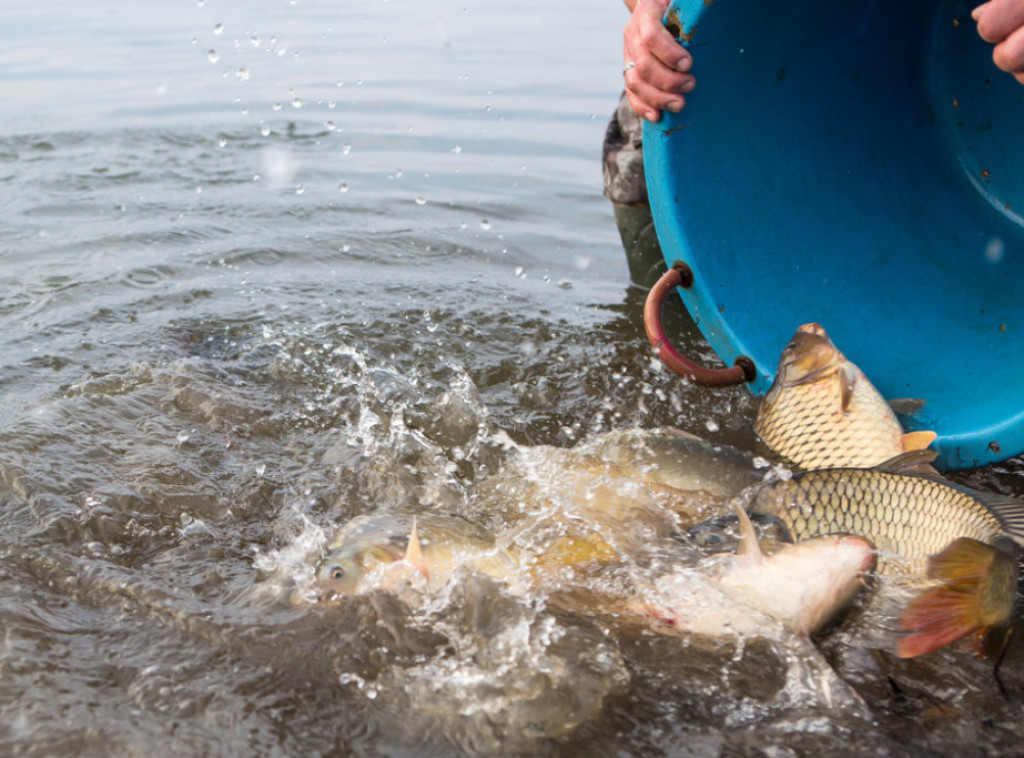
680	275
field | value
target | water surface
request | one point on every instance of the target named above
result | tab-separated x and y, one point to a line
271	265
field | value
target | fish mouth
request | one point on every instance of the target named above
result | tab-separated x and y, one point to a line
870	559
810	355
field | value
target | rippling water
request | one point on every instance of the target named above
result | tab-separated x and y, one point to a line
271	265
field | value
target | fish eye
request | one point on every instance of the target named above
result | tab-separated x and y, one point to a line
337	572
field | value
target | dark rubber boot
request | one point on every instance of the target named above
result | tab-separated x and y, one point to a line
643	253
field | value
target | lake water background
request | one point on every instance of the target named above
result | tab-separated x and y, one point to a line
269	265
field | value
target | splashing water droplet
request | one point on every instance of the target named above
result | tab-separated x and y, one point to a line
297	102
213	56
242	74
421	201
457	149
346	149
276	106
265	131
711	425
218	29
300	189
261	469
200	3
485	224
343	187
183	437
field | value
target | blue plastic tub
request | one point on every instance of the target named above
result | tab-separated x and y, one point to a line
860	165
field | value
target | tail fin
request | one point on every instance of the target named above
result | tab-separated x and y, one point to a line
978	591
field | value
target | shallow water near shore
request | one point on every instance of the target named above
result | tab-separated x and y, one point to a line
272	265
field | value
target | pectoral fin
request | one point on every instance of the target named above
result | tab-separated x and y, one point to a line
978	590
748	536
918	440
413	553
847	378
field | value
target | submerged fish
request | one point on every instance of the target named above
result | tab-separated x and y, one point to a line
387	551
675	460
920	524
822	412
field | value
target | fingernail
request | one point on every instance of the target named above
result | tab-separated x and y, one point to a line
977	11
684	64
651	116
688	86
675	105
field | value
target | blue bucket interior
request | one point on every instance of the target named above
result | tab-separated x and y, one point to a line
860	165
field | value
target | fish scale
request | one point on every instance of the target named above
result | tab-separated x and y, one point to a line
909	516
806	426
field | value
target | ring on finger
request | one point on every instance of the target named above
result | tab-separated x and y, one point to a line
627	67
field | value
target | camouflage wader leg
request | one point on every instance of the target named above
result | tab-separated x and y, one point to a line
626	187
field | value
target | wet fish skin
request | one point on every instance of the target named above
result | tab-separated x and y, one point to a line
676	460
431	549
822	411
803	585
908	517
965	540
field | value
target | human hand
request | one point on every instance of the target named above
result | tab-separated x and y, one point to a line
1002	22
657	68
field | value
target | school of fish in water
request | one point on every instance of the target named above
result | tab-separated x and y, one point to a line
850	495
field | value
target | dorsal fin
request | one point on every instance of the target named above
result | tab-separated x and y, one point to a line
847	378
748	537
918	440
910	462
413	554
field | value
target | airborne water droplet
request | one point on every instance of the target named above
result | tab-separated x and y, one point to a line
242	74
213	56
485	224
183	437
218	28
421	201
343	187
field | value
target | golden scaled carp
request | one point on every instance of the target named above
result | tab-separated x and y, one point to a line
822	412
965	540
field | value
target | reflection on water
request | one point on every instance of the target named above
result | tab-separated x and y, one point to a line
230	327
